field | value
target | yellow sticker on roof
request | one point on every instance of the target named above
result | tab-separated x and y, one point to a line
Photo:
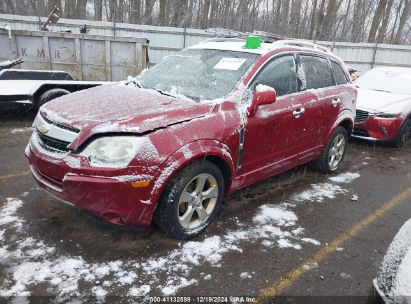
232	64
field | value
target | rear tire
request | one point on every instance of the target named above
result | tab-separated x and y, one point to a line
191	201
334	152
403	135
50	95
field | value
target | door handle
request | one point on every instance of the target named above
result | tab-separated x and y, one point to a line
298	113
336	102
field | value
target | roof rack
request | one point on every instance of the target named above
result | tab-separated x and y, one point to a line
226	35
301	43
223	39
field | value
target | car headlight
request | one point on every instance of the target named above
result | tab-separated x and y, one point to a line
112	152
388	115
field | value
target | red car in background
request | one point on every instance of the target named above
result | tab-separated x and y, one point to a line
384	105
200	125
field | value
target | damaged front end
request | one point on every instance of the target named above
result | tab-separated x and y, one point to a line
102	178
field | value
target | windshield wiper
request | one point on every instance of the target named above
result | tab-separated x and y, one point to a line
136	83
165	93
379	90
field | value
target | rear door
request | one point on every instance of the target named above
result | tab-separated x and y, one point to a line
319	80
341	95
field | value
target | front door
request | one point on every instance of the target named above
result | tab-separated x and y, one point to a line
273	137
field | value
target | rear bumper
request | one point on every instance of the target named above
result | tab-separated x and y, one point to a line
375	128
112	198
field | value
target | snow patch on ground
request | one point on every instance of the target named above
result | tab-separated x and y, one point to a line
312	241
28	261
245	275
319	192
279	214
8	216
346	178
310	266
21	130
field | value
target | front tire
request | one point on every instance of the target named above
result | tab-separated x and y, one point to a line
334	152
404	134
191	201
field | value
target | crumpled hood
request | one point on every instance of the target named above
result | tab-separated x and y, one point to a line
377	101
121	108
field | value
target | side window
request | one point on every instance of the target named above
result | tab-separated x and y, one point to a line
339	74
317	72
279	74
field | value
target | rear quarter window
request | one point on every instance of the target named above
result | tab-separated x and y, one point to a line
317	72
340	76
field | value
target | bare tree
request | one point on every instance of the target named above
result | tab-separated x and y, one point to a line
205	12
135	14
313	19
337	20
377	20
295	17
404	17
162	12
98	10
148	10
397	16
382	30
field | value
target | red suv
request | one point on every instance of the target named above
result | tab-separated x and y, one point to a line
170	144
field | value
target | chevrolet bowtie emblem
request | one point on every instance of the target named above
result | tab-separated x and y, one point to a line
44	129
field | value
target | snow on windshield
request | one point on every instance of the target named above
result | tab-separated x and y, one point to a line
393	80
198	74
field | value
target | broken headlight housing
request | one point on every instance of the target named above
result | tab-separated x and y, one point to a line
112	152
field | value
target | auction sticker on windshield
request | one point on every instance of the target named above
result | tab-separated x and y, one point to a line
232	64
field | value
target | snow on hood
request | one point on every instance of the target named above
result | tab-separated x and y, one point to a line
377	101
121	108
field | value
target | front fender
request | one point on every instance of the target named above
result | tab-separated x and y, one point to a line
343	117
187	154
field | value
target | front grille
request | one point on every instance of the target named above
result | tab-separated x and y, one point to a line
361	116
52	144
60	125
361	132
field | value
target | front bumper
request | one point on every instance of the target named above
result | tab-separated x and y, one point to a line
106	193
376	128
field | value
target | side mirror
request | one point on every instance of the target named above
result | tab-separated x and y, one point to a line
262	95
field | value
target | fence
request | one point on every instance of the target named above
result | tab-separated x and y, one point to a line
168	40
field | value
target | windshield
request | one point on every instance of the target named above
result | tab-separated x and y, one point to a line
393	81
198	74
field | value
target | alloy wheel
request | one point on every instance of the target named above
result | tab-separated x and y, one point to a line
197	201
336	152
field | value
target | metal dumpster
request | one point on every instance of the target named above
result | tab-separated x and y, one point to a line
85	57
